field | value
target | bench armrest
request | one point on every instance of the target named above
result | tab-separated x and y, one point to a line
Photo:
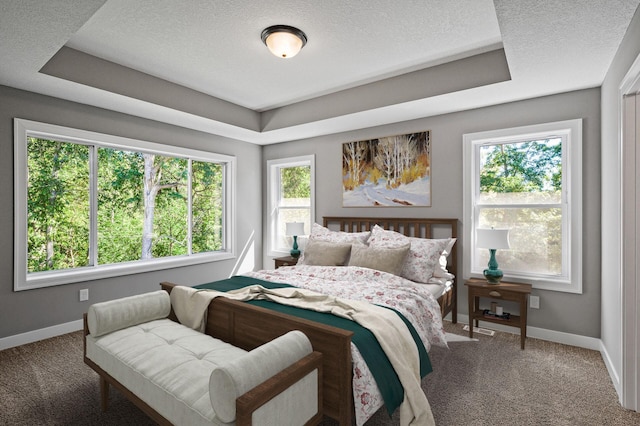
230	381
275	400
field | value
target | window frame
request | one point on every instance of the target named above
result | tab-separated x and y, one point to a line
571	132
273	192
27	128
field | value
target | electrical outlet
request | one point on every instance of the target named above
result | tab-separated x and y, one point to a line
534	302
84	294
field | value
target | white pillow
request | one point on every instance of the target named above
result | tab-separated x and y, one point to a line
320	233
423	257
441	270
105	317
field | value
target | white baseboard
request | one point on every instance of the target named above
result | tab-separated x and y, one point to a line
615	377
543	334
41	334
535	332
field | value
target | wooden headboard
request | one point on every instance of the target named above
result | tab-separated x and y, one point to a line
418	228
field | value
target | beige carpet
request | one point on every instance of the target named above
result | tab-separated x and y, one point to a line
487	382
493	382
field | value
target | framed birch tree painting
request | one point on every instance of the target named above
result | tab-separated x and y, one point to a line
393	171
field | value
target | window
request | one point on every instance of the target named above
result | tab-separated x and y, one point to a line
90	206
291	199
528	180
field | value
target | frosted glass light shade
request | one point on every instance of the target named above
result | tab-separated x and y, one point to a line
492	238
295	228
284	41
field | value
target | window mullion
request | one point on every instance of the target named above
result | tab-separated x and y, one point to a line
294	206
93	205
189	206
520	206
228	197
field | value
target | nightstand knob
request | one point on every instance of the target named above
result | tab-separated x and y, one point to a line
495	294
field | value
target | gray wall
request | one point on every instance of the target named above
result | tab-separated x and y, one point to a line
30	310
577	314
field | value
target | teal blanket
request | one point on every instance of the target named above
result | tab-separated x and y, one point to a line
371	351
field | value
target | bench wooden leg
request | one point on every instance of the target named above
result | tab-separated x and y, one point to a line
104	394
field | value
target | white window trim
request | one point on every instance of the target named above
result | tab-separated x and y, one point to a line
273	190
573	183
24	128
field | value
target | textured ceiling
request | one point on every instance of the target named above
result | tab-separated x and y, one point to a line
201	64
215	46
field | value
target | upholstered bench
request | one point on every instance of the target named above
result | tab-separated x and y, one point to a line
183	377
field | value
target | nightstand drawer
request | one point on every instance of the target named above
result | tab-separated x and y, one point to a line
497	293
285	261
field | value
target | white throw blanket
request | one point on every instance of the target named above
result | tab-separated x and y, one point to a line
190	306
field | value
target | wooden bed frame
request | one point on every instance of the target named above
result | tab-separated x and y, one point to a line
248	326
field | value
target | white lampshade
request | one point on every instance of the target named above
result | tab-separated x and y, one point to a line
492	238
295	228
284	41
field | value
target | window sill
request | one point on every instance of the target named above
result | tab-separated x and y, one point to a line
54	278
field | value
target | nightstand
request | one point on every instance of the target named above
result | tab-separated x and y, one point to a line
285	261
504	291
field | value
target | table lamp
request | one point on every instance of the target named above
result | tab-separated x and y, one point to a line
294	229
492	239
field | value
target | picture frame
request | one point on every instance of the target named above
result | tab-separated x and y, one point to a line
390	171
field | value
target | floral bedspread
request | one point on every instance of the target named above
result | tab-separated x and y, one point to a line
412	300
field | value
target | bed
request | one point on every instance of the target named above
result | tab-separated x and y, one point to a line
248	326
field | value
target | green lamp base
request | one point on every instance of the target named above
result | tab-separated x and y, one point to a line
295	253
493	276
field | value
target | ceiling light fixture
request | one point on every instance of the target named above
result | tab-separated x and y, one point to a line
284	41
